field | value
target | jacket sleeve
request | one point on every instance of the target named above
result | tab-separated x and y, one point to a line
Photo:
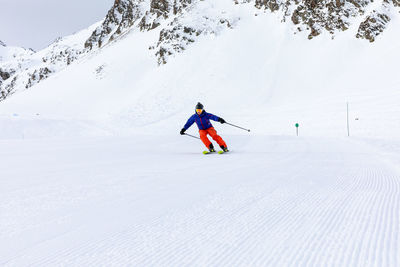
189	122
212	117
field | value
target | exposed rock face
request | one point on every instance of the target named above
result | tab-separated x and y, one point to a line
125	14
177	35
395	2
2	44
372	26
4	75
316	16
332	16
375	23
121	16
37	76
161	10
160	7
272	5
180	5
8	89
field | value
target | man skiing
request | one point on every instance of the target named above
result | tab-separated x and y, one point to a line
202	119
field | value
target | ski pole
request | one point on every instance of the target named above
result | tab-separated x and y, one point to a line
192	136
237	126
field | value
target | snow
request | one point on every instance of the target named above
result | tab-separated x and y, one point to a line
97	173
11	52
150	200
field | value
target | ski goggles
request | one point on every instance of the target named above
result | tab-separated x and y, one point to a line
199	110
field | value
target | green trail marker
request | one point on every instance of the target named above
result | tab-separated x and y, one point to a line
297	129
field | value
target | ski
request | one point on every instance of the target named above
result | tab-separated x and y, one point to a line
219	152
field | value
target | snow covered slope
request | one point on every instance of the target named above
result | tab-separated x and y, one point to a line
122	187
150	201
8	53
257	73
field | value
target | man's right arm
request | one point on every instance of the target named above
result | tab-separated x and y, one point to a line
189	123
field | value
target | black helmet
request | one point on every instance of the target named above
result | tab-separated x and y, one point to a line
199	106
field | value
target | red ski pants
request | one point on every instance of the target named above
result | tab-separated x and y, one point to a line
213	133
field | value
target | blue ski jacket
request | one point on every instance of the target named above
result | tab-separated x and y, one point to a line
202	120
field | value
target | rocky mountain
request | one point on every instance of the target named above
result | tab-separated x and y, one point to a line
9	56
22	68
179	23
333	16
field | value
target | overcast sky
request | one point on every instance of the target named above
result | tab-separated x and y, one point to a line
37	23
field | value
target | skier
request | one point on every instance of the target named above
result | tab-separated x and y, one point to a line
202	119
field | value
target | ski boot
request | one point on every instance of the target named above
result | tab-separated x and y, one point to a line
225	149
211	148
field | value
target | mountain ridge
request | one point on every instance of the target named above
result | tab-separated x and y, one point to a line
181	23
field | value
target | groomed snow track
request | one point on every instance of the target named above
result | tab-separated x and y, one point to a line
273	201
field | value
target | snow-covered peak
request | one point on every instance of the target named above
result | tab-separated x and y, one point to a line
180	23
20	68
122	15
9	52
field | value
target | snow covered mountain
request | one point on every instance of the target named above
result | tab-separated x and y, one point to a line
181	23
9	53
184	20
113	76
96	173
12	54
25	67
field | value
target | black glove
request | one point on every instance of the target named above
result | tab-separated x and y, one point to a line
221	120
183	131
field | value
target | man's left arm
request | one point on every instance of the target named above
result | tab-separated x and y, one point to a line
215	118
